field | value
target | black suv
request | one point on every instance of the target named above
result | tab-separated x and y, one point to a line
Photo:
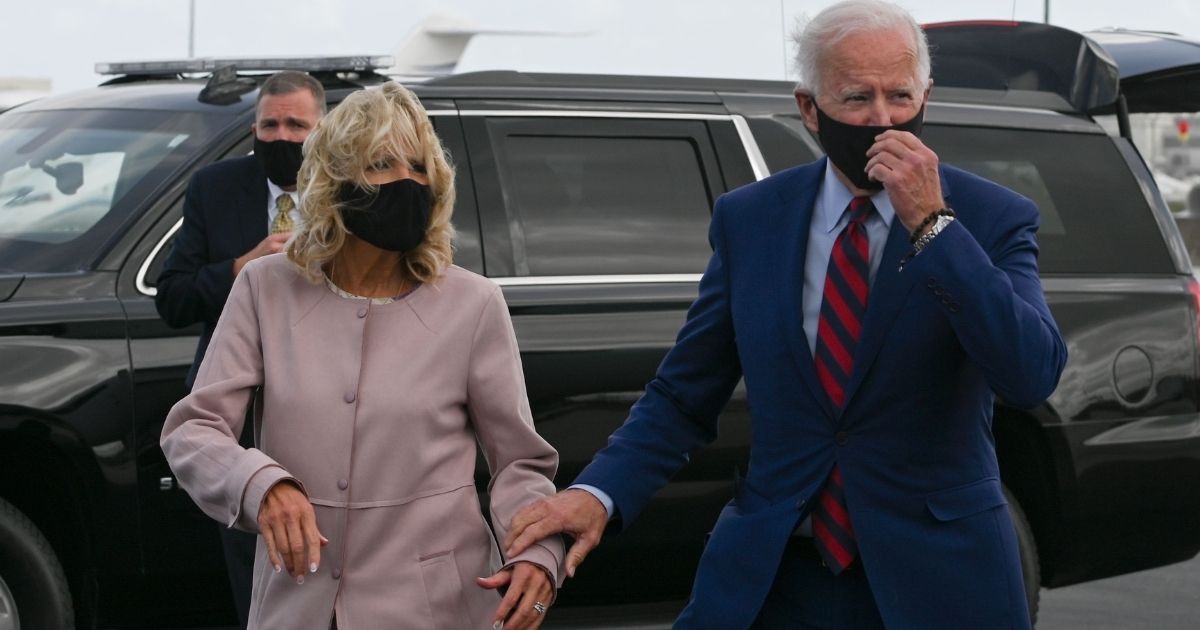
587	198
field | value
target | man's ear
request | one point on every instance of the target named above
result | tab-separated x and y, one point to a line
254	130
808	108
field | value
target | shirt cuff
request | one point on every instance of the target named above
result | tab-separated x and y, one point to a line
600	495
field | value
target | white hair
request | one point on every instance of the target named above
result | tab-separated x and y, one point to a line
814	37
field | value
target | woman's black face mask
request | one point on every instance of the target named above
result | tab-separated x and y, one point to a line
847	145
280	159
394	217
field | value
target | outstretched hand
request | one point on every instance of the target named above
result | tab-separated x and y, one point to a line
573	511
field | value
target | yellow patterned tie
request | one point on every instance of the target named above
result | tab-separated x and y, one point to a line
283	218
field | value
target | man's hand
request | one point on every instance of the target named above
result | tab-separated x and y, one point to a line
573	511
529	594
273	244
909	171
288	525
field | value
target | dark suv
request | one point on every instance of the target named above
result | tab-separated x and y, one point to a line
587	198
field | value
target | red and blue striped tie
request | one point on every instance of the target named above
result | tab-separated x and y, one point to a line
839	328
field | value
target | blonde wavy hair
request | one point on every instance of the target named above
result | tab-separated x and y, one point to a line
370	126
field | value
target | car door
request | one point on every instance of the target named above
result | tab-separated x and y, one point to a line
595	224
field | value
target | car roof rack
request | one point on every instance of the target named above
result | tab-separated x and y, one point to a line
1024	63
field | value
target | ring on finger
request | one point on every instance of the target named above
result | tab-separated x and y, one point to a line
539	607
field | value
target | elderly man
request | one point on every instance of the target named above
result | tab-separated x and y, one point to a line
235	211
875	302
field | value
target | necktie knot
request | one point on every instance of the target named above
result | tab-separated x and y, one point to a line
283	218
860	209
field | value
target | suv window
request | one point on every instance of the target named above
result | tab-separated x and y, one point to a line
587	196
68	179
1094	217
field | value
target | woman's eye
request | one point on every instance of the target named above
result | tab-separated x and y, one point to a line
417	168
382	165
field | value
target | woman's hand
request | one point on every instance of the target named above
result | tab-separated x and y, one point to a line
529	594
288	525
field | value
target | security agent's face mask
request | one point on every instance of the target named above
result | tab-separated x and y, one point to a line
280	159
393	218
847	145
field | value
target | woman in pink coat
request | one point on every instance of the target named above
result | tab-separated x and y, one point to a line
375	366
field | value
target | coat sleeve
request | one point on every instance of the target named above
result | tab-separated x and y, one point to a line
521	462
994	301
192	288
199	437
679	411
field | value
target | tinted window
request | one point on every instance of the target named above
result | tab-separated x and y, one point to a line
634	199
69	179
1094	216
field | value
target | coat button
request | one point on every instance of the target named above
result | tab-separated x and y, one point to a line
343	484
362	312
337	574
349	397
841	438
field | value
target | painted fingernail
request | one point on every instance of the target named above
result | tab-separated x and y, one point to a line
312	568
300	579
496	625
278	568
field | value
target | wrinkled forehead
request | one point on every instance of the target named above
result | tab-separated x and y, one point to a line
883	57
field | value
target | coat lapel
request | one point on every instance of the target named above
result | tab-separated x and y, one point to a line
887	295
249	203
797	195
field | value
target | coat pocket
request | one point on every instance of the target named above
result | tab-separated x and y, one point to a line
963	501
443	591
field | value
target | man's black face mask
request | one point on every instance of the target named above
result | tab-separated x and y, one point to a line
846	145
280	159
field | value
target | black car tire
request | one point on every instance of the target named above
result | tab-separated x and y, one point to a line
1030	567
32	577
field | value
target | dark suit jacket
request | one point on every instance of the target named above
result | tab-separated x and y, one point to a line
224	216
963	322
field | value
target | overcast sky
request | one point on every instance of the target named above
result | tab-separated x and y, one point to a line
61	40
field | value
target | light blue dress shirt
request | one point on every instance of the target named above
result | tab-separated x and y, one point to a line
828	220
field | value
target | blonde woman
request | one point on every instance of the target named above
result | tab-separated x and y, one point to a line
381	366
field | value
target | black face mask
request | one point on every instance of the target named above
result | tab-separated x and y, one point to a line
846	145
280	159
394	218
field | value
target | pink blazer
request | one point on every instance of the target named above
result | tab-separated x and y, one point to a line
376	410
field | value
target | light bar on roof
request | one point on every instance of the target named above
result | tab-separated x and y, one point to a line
344	63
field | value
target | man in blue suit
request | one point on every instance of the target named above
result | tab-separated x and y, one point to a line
235	211
876	303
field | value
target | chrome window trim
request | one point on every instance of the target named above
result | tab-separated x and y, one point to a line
142	287
757	162
647	278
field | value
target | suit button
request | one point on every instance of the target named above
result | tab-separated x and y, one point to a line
841	438
953	307
337	574
343	484
349	397
931	283
362	312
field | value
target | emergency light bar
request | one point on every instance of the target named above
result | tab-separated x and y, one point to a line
348	63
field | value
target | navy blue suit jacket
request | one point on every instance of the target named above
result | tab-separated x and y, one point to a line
224	216
963	322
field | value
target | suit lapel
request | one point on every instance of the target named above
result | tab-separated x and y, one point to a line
797	195
887	295
249	202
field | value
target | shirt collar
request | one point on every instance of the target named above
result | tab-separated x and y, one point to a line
834	197
274	192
